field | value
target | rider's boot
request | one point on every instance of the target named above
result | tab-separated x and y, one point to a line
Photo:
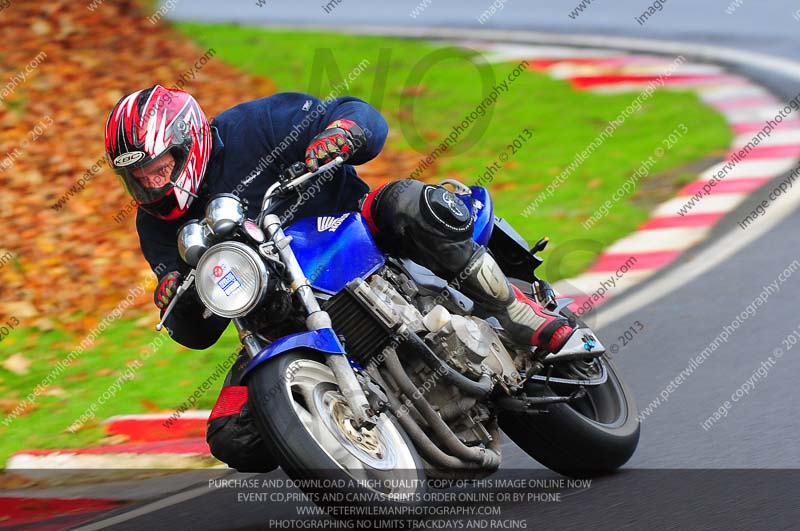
523	318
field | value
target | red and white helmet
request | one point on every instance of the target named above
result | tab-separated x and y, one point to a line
143	129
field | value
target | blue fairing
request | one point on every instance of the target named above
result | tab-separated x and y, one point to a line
333	250
323	340
482	213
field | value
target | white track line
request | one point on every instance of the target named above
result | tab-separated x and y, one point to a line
192	414
761	61
564	71
711	204
616	88
751	168
723	248
723	93
671	239
589	283
778	136
39	465
762	113
149	508
502	53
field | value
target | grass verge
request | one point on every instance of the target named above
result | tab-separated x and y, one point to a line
123	372
419	102
425	89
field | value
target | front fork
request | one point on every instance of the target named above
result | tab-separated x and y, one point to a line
317	319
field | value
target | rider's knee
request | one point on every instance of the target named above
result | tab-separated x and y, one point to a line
423	222
412	206
445	213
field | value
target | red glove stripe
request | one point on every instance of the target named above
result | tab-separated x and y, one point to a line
341	124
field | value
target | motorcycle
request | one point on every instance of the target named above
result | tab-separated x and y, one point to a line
371	373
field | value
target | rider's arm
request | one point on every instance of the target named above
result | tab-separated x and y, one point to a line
158	242
296	118
365	116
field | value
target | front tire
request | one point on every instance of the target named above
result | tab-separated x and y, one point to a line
305	419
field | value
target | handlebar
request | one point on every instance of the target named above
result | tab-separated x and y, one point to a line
185	285
279	187
276	188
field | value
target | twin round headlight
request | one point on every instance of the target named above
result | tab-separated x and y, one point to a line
224	213
231	277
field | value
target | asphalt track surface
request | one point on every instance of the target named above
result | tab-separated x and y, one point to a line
755	25
760	429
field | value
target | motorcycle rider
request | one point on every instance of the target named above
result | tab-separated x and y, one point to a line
171	160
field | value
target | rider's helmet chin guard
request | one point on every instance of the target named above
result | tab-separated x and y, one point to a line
142	129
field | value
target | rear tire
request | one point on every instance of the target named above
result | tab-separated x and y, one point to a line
571	443
586	440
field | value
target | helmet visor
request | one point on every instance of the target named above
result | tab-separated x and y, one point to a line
151	181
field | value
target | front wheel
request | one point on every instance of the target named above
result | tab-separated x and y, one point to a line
594	436
306	420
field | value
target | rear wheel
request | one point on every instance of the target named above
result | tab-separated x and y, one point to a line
307	421
594	436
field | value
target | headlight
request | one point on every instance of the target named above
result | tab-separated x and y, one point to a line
231	279
224	213
194	238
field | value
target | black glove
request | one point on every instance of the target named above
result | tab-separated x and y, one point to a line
166	289
340	138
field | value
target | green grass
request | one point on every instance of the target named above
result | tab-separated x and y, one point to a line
563	122
164	380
